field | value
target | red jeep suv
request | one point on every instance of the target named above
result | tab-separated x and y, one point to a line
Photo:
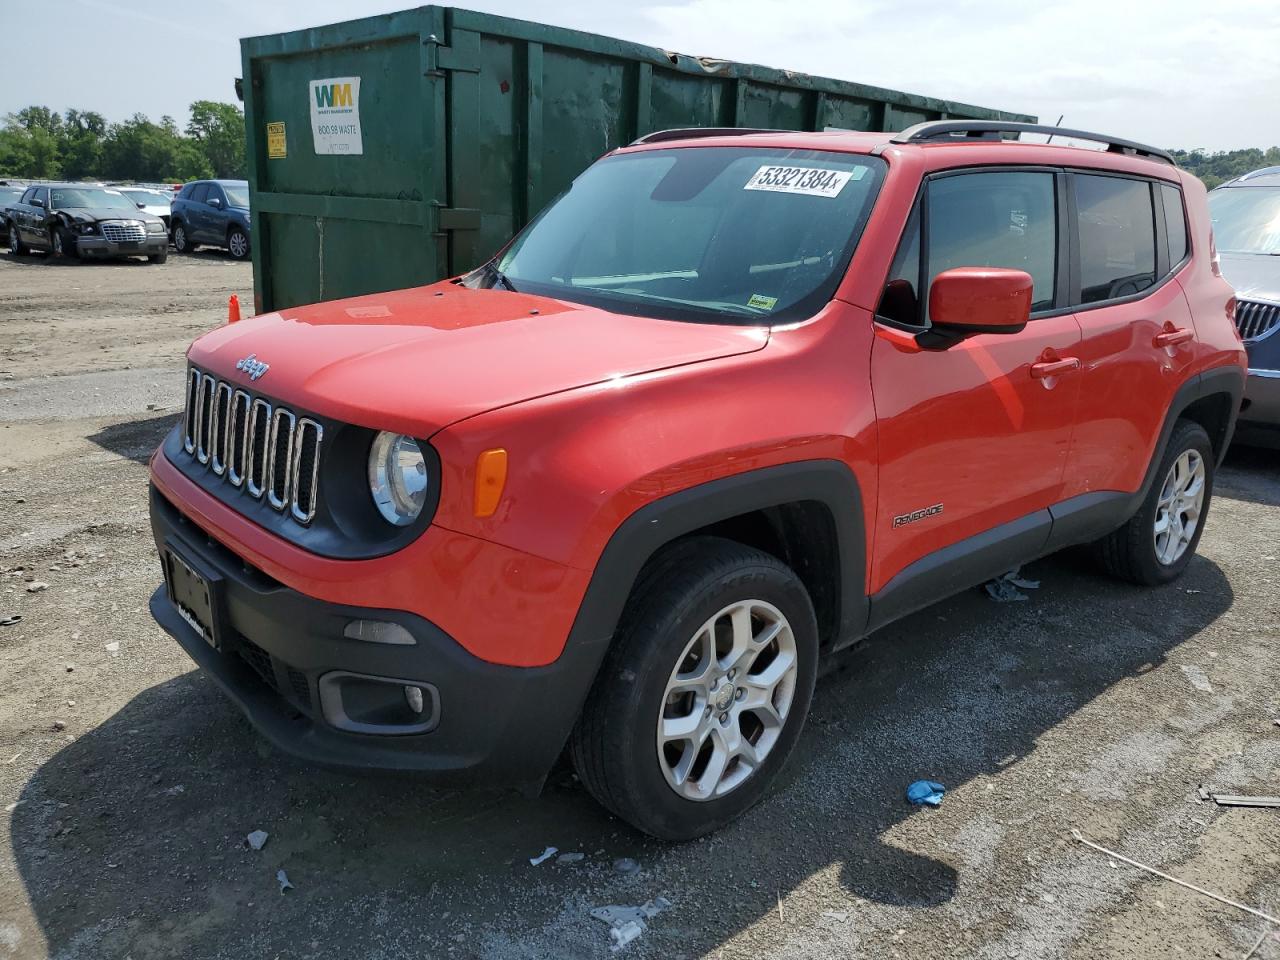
733	401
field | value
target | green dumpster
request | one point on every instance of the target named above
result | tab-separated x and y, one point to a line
399	149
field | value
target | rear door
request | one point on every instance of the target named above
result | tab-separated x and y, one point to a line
1137	328
973	438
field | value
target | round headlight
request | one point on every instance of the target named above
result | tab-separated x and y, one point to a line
397	477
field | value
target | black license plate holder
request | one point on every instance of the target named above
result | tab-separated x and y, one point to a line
196	593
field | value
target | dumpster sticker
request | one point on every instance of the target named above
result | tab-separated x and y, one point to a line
277	146
813	181
335	115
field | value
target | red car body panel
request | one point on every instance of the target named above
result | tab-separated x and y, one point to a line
602	414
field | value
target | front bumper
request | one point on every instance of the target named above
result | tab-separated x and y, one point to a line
280	649
153	245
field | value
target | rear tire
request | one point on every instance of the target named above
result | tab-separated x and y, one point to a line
16	246
720	637
238	243
1158	542
181	239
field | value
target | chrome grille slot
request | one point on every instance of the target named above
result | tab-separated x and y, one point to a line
280	470
221	418
1256	317
306	466
255	446
237	435
259	436
123	231
204	418
192	411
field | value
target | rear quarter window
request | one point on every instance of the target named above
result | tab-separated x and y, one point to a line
1175	222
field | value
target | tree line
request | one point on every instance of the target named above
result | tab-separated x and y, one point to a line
39	143
1221	166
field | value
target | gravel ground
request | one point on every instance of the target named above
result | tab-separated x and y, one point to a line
130	784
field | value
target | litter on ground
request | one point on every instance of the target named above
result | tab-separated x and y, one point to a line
628	923
1197	678
545	855
257	839
282	878
1008	587
926	792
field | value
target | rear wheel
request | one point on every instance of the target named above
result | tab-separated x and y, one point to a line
701	698
238	243
1158	542
15	242
181	240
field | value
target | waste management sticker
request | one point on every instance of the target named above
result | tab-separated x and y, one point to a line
335	115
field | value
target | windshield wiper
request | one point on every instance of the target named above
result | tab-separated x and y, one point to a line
497	277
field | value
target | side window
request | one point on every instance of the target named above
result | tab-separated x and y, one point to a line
27	195
1175	223
199	192
1117	237
995	220
215	193
900	302
42	193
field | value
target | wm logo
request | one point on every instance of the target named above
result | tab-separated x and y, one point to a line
333	95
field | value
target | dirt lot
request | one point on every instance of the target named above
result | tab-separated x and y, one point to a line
129	783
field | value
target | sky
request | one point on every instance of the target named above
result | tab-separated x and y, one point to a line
1178	73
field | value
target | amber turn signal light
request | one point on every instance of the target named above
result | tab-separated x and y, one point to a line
491	477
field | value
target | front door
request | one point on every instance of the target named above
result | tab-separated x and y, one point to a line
973	438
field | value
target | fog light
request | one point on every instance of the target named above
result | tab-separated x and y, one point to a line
413	696
378	631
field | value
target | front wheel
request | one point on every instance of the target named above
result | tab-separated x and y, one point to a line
181	239
158	257
1158	542
238	243
704	692
62	243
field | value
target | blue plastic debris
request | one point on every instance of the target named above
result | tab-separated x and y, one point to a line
926	791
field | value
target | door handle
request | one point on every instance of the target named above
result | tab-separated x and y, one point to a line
1051	368
1172	337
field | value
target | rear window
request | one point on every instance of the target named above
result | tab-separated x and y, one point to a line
1117	240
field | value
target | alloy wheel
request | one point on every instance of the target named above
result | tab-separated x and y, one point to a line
238	245
727	700
1179	507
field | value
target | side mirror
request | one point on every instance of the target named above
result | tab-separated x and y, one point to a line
37	202
214	202
142	206
968	300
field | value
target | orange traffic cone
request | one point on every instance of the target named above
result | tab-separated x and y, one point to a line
233	309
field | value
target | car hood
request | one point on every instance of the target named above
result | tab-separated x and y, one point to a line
415	361
1256	276
94	214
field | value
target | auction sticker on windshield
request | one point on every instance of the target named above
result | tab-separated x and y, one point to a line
813	181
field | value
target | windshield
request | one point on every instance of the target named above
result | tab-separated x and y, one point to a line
1246	219
727	235
9	193
71	198
150	197
236	196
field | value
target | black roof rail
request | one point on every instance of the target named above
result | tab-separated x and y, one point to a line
991	129
690	133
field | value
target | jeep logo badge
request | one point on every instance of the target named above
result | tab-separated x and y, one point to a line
253	366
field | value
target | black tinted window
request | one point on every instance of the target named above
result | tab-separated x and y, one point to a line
1117	237
42	194
199	192
996	220
1175	221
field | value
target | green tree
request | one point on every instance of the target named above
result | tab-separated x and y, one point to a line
219	130
1218	167
80	144
28	151
138	149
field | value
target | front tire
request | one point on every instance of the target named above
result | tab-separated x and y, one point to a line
158	257
1158	542
704	692
238	243
63	244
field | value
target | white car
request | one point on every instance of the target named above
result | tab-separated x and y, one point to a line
152	201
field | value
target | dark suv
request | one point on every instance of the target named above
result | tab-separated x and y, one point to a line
212	213
1245	212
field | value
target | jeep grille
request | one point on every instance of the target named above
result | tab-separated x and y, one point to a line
254	445
1255	317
